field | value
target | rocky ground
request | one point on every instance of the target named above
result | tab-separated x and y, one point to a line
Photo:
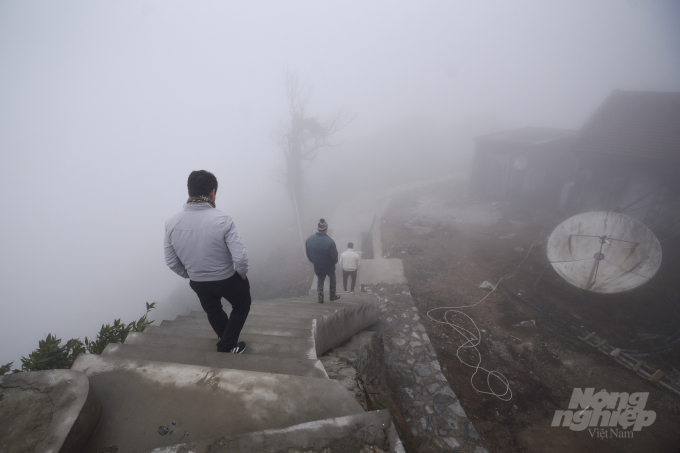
450	244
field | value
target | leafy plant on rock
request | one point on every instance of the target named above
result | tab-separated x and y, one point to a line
118	332
51	354
6	368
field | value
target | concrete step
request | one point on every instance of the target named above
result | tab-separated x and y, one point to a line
346	434
335	322
277	309
138	396
255	319
245	362
295	347
336	305
209	333
292	310
267	330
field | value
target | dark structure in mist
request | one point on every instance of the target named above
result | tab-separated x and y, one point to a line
525	166
628	159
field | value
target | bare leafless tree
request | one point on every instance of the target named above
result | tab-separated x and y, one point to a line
301	137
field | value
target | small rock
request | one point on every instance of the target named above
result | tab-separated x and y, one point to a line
430	349
526	346
432	388
486	285
453	443
422	370
448	391
472	432
530	323
457	409
453	424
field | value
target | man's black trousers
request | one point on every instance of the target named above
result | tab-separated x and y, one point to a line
346	274
237	292
321	278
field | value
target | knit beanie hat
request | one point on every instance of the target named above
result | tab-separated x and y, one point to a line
322	225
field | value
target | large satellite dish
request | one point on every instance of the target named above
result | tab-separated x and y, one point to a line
604	252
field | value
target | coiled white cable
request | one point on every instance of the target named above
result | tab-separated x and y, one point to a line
473	340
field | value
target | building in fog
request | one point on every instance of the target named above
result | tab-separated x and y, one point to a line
524	166
628	160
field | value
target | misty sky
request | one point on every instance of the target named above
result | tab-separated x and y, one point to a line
106	106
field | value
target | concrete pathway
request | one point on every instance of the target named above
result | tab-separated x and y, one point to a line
171	376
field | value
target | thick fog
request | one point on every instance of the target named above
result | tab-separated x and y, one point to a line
107	106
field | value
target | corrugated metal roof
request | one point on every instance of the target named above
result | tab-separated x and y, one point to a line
528	135
640	124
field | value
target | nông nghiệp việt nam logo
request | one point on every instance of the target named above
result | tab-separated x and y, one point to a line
605	410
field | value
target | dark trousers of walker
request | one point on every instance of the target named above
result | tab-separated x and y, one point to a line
346	274
321	278
237	292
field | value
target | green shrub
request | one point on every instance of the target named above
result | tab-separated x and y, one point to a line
52	355
6	368
118	332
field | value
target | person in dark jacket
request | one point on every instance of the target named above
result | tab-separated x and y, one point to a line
321	251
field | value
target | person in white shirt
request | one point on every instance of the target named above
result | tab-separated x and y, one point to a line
350	262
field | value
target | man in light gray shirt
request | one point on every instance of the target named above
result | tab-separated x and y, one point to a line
202	244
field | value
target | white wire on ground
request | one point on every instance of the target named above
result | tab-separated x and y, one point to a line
473	340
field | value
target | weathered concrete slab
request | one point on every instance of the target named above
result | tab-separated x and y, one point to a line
47	411
340	326
335	322
382	271
138	396
255	319
209	333
244	362
346	434
299	348
267	330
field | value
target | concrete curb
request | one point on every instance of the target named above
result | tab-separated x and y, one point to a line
70	409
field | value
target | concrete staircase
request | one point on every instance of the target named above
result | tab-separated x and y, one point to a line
275	396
